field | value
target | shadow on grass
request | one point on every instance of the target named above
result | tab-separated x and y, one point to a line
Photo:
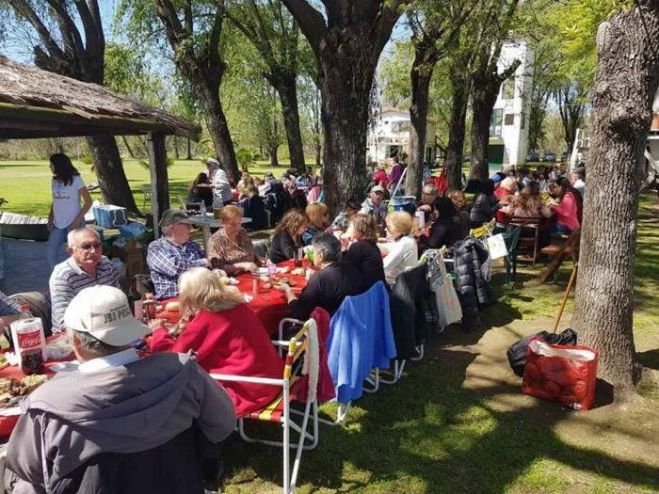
430	434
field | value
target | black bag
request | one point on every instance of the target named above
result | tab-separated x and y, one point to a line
517	351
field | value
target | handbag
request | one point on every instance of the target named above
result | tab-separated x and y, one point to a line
449	310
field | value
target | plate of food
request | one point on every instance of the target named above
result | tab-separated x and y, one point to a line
298	272
288	282
13	390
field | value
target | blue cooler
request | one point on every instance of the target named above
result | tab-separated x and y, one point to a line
109	216
403	203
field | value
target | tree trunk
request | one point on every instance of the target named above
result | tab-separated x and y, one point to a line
286	87
483	100
189	150
345	121
176	153
420	75
110	172
272	151
457	131
345	78
218	129
128	148
626	83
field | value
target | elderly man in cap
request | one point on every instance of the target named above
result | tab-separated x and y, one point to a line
173	253
222	193
121	423
374	205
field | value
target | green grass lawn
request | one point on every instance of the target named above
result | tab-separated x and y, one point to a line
457	422
26	184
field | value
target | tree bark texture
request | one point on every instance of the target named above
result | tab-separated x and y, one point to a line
286	88
626	83
426	56
159	176
198	59
457	130
272	151
216	124
111	177
347	42
486	82
571	109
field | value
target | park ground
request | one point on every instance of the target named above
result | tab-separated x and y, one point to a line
457	422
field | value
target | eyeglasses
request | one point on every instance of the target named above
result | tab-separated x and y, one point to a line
90	246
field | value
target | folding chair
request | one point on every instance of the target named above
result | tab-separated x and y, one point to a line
304	343
511	238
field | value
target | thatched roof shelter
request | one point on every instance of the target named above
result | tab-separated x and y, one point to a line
36	103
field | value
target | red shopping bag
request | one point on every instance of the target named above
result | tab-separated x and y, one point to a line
564	373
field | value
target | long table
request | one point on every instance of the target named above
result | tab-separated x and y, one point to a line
269	305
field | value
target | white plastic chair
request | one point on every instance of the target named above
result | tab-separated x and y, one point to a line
304	343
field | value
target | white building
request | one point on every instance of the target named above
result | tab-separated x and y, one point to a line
389	135
509	127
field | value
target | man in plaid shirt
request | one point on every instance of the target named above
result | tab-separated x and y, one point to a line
173	253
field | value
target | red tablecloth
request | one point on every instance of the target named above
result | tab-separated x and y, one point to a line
7	424
269	305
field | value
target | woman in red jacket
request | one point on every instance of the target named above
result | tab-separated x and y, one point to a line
227	336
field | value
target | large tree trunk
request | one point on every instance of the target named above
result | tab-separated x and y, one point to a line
272	151
110	172
457	131
626	83
483	100
188	155
420	76
345	81
216	124
287	90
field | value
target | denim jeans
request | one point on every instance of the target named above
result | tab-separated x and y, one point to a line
562	229
56	239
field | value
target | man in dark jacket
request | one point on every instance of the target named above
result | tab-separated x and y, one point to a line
119	420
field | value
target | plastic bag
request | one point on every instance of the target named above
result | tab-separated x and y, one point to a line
517	352
564	373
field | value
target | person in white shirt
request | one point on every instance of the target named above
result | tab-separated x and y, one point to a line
403	253
577	182
66	214
222	193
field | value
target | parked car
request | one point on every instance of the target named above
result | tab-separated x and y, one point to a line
549	156
532	156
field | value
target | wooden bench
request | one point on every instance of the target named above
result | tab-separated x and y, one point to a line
568	246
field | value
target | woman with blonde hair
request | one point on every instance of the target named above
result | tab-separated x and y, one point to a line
363	253
318	221
230	248
403	253
226	335
287	238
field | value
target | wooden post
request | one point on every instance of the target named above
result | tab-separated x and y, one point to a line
159	179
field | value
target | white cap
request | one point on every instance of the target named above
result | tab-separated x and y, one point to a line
378	188
103	312
212	162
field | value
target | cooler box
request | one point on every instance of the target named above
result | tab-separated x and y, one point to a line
403	203
109	216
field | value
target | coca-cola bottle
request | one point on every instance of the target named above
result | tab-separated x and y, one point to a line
29	344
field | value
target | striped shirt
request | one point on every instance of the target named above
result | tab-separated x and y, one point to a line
68	279
167	261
